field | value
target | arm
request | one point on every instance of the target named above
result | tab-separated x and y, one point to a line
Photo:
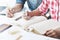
33	13
41	10
17	8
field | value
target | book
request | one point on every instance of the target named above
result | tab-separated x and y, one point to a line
42	27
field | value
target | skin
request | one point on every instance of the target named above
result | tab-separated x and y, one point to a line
31	14
35	12
17	8
53	33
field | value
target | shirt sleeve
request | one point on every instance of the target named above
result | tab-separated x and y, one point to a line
43	7
20	1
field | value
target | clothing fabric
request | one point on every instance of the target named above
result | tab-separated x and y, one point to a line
32	4
53	6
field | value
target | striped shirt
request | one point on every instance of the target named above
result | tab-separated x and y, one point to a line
53	6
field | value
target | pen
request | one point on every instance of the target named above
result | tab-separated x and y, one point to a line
3	14
18	18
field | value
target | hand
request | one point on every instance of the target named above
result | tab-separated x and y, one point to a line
26	16
10	13
53	33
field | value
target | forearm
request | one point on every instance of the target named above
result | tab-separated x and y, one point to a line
17	8
34	13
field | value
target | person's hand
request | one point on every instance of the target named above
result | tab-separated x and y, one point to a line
26	16
10	13
53	33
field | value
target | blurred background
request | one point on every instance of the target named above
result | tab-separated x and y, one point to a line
8	4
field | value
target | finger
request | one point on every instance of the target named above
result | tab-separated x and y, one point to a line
10	14
49	32
46	32
28	13
24	15
55	36
52	34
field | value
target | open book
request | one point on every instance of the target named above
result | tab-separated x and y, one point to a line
42	27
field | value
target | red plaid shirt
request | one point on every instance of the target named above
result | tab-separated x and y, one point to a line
53	5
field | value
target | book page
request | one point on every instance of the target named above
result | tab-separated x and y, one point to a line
42	27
